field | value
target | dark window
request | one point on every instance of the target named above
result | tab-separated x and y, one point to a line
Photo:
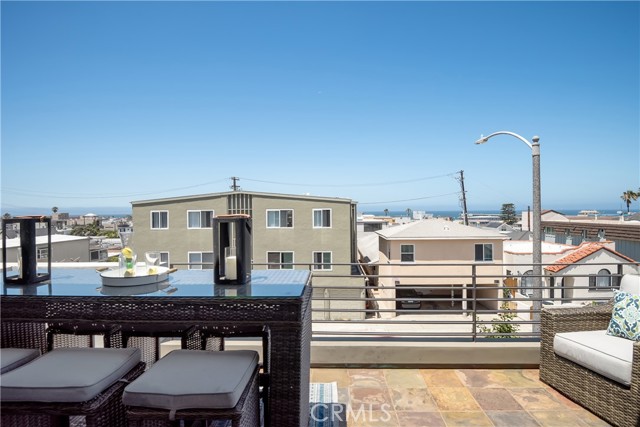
321	218
484	252
407	253
280	218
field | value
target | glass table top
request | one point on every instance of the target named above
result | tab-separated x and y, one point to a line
181	283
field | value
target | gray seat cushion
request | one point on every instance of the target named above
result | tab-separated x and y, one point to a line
12	358
595	350
186	379
68	375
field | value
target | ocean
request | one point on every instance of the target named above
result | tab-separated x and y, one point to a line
458	213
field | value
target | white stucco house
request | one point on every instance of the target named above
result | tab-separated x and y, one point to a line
593	269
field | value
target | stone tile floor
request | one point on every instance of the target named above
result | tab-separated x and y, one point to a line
452	397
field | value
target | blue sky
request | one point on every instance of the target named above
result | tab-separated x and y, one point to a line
104	103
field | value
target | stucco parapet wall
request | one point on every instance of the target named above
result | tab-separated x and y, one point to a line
393	353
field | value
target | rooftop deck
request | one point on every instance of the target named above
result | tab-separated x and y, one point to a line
452	397
452	392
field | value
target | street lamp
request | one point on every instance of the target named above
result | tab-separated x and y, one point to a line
537	231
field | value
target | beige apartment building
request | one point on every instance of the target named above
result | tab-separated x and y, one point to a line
289	231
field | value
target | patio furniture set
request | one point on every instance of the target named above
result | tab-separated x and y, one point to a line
45	381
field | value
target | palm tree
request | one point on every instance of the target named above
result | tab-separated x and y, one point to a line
386	212
6	216
629	196
54	209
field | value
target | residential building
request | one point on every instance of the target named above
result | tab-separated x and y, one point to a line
526	220
63	249
371	223
60	221
591	270
434	250
574	230
500	226
289	231
518	259
573	274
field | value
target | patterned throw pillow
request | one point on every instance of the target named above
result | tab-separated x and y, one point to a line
625	319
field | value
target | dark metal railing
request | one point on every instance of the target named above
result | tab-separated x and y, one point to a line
352	300
469	305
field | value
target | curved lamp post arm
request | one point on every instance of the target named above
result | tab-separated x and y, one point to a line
484	139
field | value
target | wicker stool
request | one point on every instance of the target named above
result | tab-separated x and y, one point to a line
197	385
147	338
23	335
213	338
68	382
12	358
82	335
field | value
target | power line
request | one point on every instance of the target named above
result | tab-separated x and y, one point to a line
372	184
235	179
93	196
408	200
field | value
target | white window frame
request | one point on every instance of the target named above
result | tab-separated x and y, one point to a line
199	267
413	252
313	218
526	284
279	218
165	260
40	251
282	263
322	265
201	212
484	257
602	281
159	213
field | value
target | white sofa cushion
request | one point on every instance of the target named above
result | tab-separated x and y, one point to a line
595	350
630	283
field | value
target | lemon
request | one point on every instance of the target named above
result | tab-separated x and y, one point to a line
127	252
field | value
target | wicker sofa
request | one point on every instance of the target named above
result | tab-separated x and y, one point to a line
610	399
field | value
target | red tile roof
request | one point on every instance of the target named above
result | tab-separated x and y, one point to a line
581	253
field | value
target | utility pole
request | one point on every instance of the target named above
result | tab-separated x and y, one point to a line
235	186
465	215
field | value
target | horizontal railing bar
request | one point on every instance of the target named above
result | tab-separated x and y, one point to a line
422	264
419	334
476	295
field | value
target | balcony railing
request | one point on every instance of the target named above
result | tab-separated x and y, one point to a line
474	304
